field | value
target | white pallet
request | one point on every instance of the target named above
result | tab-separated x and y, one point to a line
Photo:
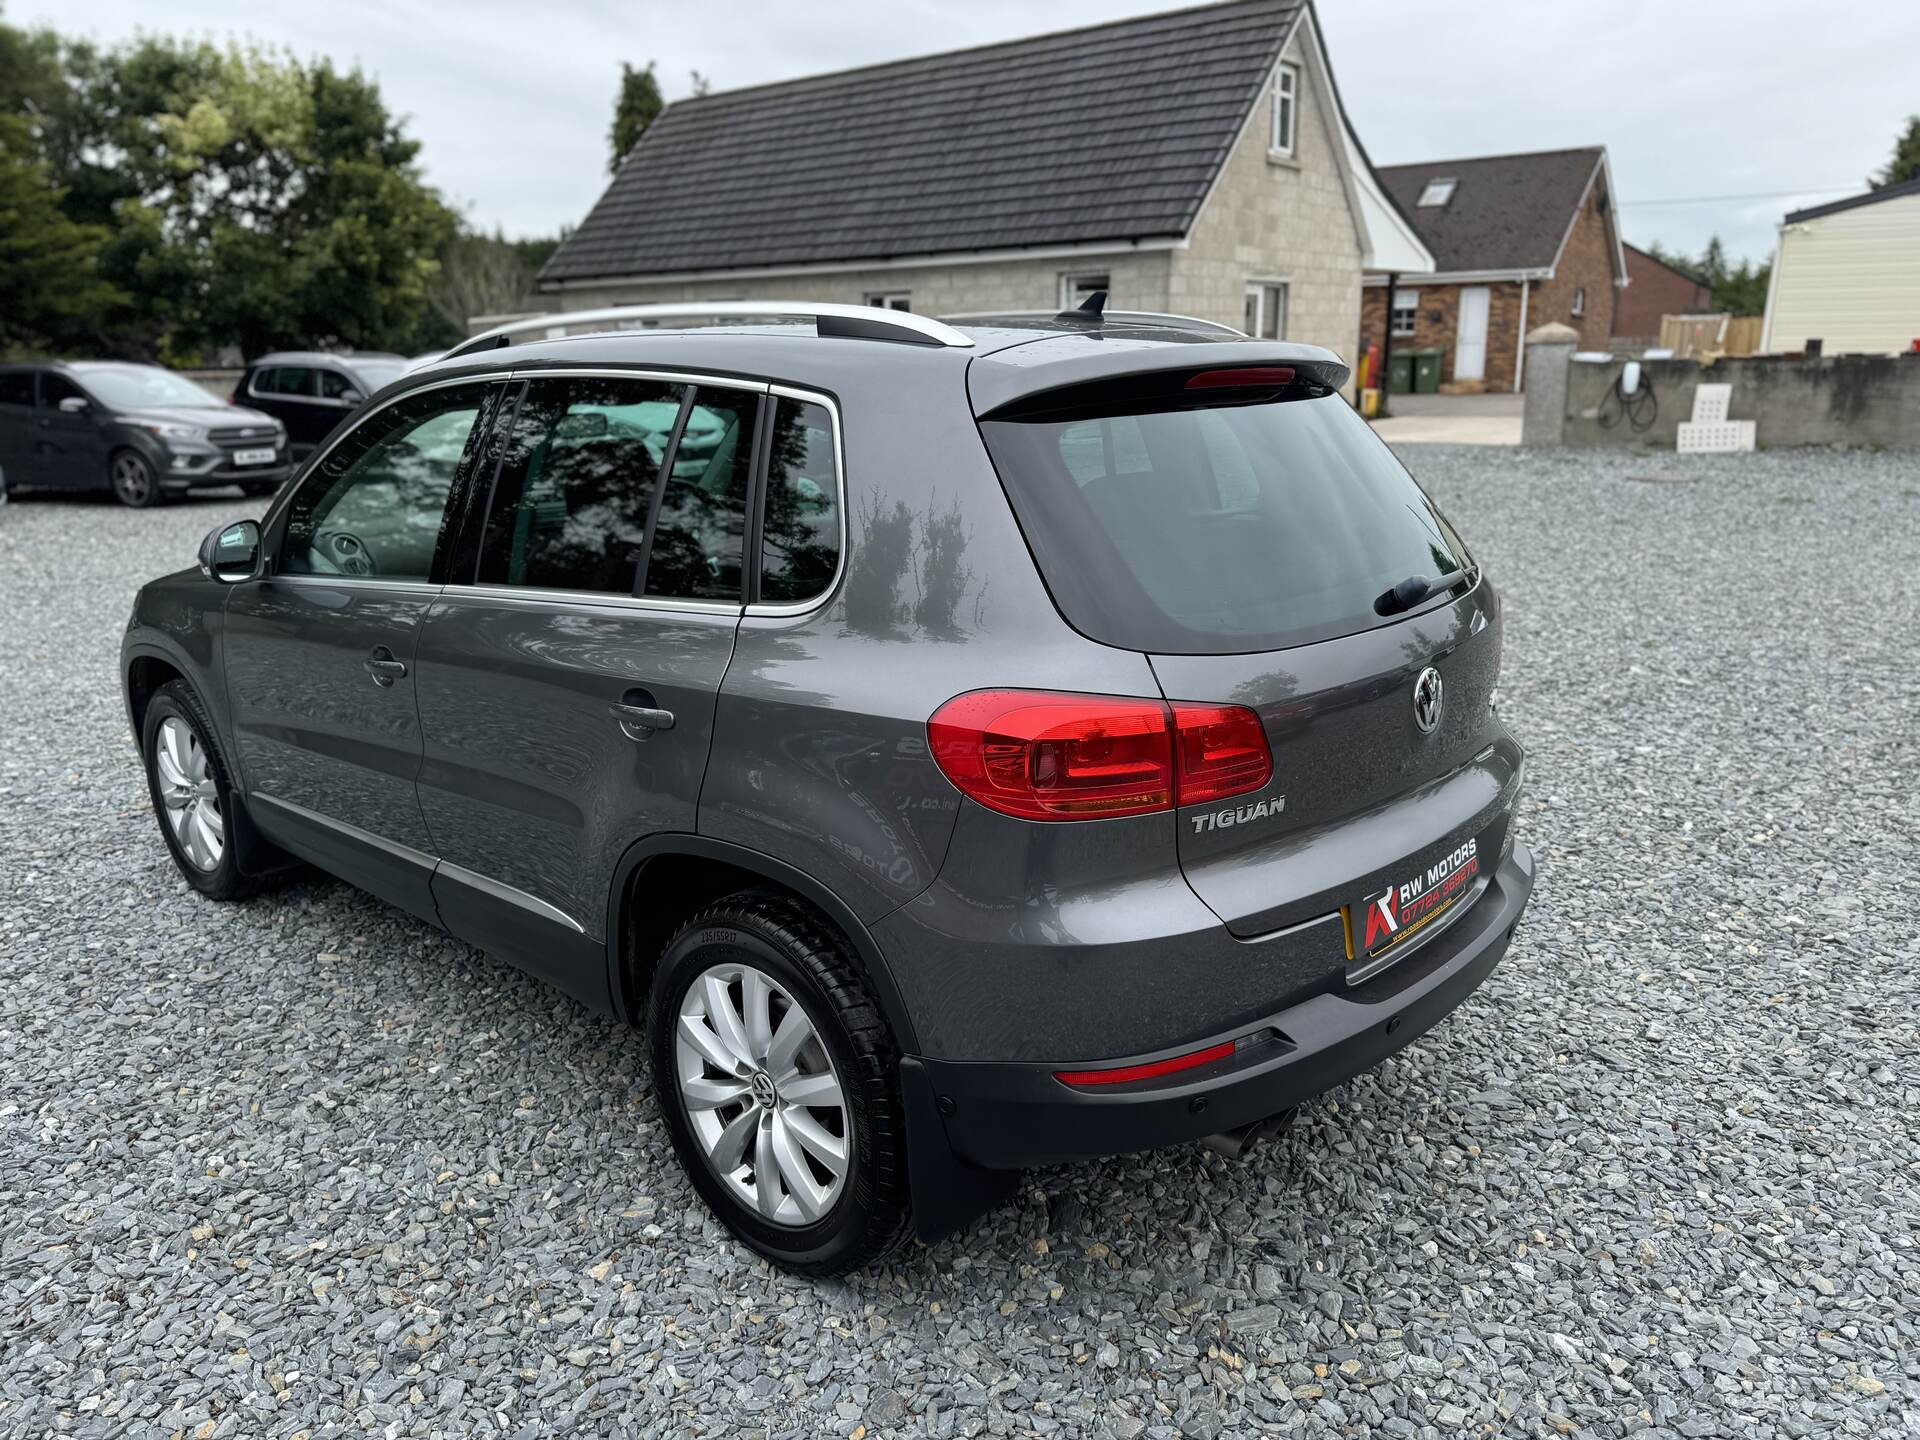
1716	437
1710	403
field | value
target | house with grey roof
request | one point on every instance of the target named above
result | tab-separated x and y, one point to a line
1517	241
1198	162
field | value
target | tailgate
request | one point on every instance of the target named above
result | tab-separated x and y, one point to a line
1363	797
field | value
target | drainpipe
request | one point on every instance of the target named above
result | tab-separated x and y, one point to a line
1520	341
1386	346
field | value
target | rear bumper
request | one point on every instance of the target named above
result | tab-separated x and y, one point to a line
1012	1116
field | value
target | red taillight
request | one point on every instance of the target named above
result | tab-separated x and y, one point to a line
1122	1074
1055	757
1223	751
1041	755
1256	375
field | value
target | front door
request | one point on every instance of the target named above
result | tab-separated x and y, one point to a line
16	426
67	449
567	692
1470	345
319	652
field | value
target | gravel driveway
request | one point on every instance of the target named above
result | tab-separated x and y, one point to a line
305	1166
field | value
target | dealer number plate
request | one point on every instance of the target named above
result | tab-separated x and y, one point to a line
1395	915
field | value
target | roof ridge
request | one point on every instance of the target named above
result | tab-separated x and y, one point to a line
1017	42
1482	159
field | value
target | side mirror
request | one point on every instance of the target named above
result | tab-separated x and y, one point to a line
75	405
351	397
231	553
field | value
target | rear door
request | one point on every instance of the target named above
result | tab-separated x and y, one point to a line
568	673
69	450
319	652
1248	540
16	424
289	393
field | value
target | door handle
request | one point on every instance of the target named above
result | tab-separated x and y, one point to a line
640	721
384	668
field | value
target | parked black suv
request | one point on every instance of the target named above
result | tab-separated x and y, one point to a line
138	430
312	391
985	747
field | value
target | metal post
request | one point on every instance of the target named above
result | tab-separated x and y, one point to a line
1386	347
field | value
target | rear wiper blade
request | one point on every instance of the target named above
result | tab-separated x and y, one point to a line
1415	588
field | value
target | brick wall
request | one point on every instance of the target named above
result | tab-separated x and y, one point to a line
1586	262
1271	218
1656	291
1437	322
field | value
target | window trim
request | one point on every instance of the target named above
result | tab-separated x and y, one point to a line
1258	286
801	607
272	522
1289	71
1413	325
1578	305
1441	200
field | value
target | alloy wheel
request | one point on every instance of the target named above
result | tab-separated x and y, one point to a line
761	1095
188	792
132	480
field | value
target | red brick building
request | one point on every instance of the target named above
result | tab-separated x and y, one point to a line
1519	240
1655	289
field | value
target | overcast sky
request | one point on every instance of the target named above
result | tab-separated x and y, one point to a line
1771	105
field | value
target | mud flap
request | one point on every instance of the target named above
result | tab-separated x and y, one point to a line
948	1193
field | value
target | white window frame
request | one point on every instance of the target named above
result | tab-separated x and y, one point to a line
1411	310
1285	132
1579	305
1435	194
1257	292
890	300
1073	281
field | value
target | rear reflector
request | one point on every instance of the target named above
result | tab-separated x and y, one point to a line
1246	375
1042	755
1122	1074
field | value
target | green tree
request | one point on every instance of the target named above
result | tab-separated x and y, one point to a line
249	198
1905	164
51	292
638	107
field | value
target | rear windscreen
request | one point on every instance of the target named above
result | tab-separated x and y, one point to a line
1218	529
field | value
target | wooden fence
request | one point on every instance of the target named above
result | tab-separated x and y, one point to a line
1698	336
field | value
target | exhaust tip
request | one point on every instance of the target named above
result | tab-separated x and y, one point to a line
1238	1141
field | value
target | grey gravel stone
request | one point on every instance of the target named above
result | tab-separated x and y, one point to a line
305	1164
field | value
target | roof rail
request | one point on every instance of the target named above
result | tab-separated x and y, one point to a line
1120	318
866	322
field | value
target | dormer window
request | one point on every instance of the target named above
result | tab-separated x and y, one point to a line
1437	193
1286	108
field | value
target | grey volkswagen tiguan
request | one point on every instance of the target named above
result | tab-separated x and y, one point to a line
962	748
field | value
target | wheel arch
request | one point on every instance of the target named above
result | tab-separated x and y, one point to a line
696	870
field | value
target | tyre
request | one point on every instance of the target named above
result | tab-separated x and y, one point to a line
192	793
779	1082
132	480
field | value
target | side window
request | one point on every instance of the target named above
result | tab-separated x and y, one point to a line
16	388
569	510
55	388
700	535
800	532
284	380
334	385
376	504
